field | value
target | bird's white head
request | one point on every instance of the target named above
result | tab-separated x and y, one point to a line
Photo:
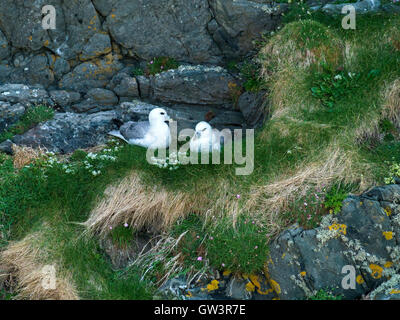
203	129
158	115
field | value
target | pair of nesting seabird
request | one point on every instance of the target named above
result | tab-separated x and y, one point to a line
155	133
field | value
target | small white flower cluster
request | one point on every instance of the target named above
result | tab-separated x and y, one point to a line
95	161
92	163
170	163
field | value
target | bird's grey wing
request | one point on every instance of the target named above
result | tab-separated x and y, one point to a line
135	130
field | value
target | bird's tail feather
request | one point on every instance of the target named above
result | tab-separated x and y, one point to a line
118	135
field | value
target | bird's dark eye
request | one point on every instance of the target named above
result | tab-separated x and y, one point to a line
162	113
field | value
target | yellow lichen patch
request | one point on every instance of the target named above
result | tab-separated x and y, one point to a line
226	273
250	287
341	228
388	211
275	285
388	264
394	291
46	43
388	235
376	271
213	285
113	16
303	273
189	294
360	279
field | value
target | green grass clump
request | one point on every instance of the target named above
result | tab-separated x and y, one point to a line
32	117
325	295
161	64
239	248
335	196
122	236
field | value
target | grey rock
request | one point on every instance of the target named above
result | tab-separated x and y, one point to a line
10	114
64	99
365	6
285	267
98	45
4	47
68	132
6	147
236	289
173	28
90	75
252	106
144	86
77	22
198	85
97	99
242	22
5	72
60	66
26	95
124	85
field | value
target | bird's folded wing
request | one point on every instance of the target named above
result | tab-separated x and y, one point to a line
135	130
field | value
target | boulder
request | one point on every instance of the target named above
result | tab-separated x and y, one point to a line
68	132
19	93
10	114
93	74
199	85
99	44
64	99
96	100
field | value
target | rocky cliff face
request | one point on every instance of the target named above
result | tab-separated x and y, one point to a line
85	65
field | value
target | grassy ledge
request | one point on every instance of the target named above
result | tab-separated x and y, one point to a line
333	130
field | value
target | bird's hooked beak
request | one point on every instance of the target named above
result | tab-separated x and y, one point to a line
168	120
197	134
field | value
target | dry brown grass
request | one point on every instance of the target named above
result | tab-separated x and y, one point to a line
369	132
21	261
391	107
130	201
272	199
23	156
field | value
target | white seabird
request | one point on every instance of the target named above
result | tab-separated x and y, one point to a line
205	139
153	134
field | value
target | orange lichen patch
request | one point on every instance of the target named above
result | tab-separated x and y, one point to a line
46	43
303	273
250	287
376	271
342	228
189	294
113	16
388	235
388	211
213	285
275	286
226	273
388	264
360	279
30	38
